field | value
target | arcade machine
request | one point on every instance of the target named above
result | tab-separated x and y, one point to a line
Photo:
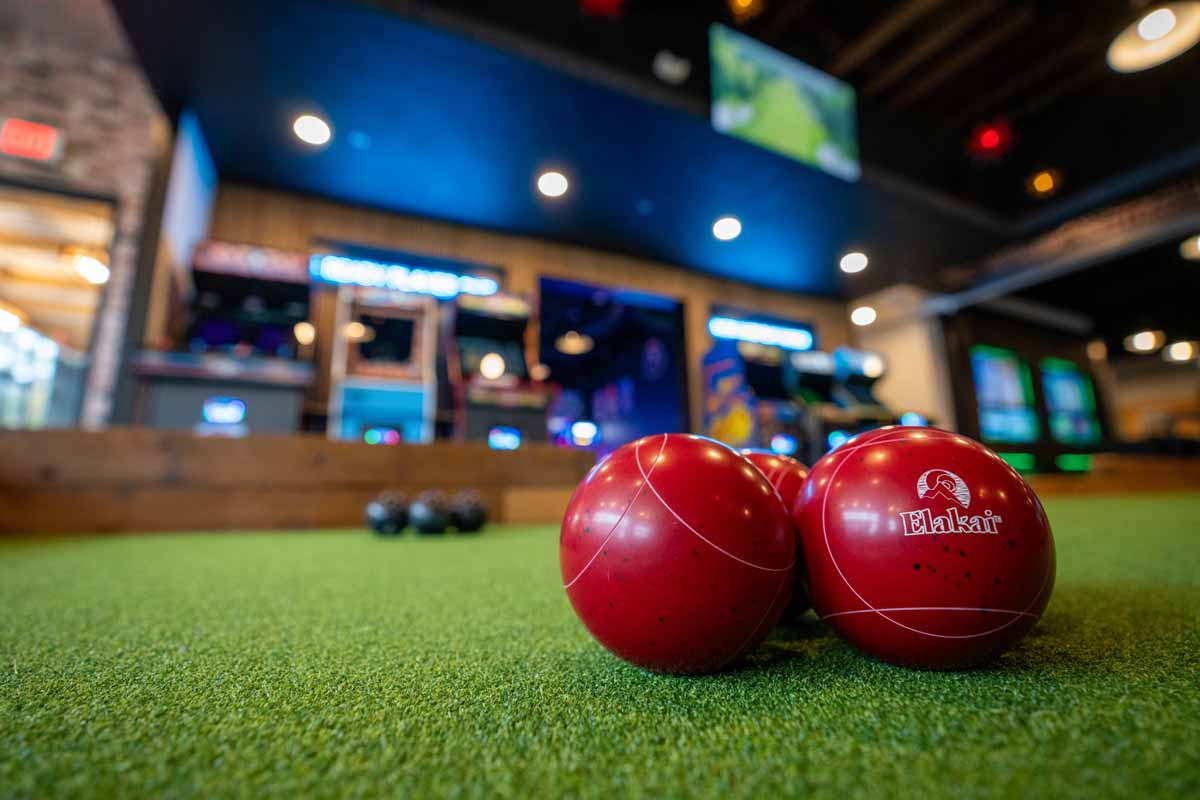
489	394
1071	410
855	374
810	379
241	364
747	403
383	369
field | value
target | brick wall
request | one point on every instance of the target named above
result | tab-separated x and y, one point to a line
66	63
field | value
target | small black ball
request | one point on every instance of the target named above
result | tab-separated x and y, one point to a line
467	512
429	512
387	514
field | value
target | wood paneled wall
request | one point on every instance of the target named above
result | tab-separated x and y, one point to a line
136	479
273	218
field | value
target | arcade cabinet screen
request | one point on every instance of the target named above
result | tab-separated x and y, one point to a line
393	340
766	380
1070	402
1004	393
766	97
245	316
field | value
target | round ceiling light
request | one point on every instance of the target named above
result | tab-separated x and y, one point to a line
727	228
1144	341
311	129
1156	37
853	262
862	316
553	184
1180	352
92	269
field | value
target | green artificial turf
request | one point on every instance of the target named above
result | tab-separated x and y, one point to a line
323	665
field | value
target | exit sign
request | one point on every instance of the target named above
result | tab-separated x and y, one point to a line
34	141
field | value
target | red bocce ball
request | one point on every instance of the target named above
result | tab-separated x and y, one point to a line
787	475
676	554
924	548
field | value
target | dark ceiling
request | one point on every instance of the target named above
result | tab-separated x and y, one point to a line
440	125
447	110
1153	289
928	72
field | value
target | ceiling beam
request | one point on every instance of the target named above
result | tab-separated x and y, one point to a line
929	45
964	57
1077	80
1041	69
883	31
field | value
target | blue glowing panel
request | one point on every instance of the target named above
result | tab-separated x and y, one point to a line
223	411
784	444
503	437
742	330
363	272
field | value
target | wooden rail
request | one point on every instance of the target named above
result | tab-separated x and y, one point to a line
147	480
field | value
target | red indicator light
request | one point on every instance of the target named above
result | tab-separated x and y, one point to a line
991	140
21	138
602	8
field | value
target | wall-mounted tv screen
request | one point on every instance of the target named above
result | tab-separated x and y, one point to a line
1071	403
1004	393
766	97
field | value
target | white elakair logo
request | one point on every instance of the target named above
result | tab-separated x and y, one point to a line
944	484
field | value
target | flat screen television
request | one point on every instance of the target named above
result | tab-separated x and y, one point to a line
1070	402
1004	394
776	102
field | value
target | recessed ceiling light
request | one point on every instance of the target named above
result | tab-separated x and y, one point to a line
854	262
553	184
727	228
1156	24
1156	37
92	269
312	130
9	321
1042	183
1190	248
1144	341
862	316
1181	351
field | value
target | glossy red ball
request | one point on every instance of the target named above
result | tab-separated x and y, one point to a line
677	554
787	475
924	548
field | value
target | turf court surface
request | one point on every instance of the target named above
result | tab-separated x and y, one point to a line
324	665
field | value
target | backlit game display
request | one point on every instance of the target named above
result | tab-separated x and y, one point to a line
1070	402
1004	393
784	105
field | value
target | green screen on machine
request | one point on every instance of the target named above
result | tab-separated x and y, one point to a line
766	97
1070	403
1004	392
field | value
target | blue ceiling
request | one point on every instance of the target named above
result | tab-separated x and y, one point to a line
431	124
